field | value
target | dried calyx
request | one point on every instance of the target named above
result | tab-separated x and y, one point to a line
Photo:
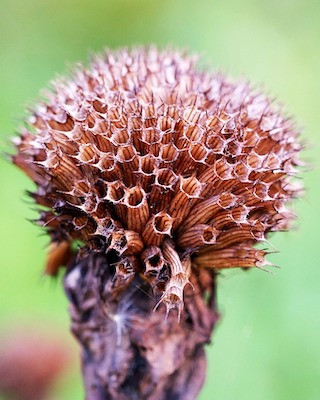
165	167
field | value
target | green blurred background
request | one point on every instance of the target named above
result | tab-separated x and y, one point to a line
267	345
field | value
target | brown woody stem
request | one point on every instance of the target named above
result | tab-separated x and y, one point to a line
129	350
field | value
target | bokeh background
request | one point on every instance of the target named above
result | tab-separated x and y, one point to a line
267	345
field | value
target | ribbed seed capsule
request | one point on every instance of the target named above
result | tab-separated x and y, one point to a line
197	236
157	228
238	256
180	274
186	195
137	208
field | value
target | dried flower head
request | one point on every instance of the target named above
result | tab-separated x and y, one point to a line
166	168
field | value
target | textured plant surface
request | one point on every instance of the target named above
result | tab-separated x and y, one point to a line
166	174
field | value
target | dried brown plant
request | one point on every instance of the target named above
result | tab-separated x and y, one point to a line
166	174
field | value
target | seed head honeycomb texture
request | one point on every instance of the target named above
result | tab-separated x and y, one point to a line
163	166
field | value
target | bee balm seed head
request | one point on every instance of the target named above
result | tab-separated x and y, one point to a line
147	157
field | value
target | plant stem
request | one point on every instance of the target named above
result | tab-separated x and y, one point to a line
129	350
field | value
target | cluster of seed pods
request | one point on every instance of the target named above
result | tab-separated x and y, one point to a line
163	166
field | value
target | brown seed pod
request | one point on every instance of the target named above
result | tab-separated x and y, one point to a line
157	228
142	152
